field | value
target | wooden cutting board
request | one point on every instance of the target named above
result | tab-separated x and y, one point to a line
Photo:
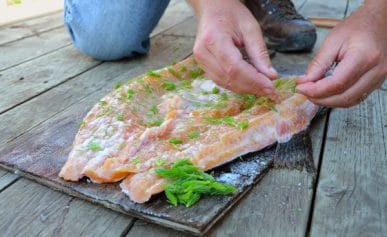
40	154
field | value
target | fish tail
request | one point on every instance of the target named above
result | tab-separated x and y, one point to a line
297	154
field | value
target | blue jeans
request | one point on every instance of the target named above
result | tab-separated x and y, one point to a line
112	29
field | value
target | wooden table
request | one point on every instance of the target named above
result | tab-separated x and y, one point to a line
42	76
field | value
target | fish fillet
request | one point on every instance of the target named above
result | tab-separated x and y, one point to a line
174	113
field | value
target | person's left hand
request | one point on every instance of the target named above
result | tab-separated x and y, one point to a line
359	47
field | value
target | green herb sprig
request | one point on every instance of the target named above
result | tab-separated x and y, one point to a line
153	73
285	85
188	184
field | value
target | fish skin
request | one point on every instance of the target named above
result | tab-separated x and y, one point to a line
129	149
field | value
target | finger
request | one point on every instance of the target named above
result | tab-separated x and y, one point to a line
207	61
256	50
241	76
321	62
348	71
355	94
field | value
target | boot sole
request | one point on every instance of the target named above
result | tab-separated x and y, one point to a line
302	41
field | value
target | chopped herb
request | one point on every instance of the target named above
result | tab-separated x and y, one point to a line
155	123
82	124
174	62
160	162
228	120
215	90
285	85
193	134
243	125
263	100
136	161
94	146
154	110
214	120
167	85
248	101
223	96
271	107
102	103
185	84
183	68
225	120
201	78
130	94
120	117
117	85
174	72
266	102
196	72
153	74
105	111
148	88
175	141
141	80
188	184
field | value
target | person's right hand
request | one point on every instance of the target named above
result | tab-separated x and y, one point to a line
225	25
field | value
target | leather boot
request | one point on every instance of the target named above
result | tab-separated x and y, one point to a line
284	29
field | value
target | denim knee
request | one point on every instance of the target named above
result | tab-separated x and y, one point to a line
112	30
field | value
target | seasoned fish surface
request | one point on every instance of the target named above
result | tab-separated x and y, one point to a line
176	113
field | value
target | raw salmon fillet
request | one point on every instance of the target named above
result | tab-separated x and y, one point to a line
171	114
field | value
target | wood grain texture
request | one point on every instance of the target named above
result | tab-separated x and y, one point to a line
351	196
28	28
39	211
6	178
327	8
176	12
32	47
21	83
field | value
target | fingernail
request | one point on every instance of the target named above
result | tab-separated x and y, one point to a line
272	70
268	91
301	78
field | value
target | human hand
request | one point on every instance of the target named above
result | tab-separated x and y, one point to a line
223	27
359	47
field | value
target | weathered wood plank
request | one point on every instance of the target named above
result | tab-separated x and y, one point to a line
6	178
27	80
327	8
29	209
32	47
176	12
351	196
32	27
